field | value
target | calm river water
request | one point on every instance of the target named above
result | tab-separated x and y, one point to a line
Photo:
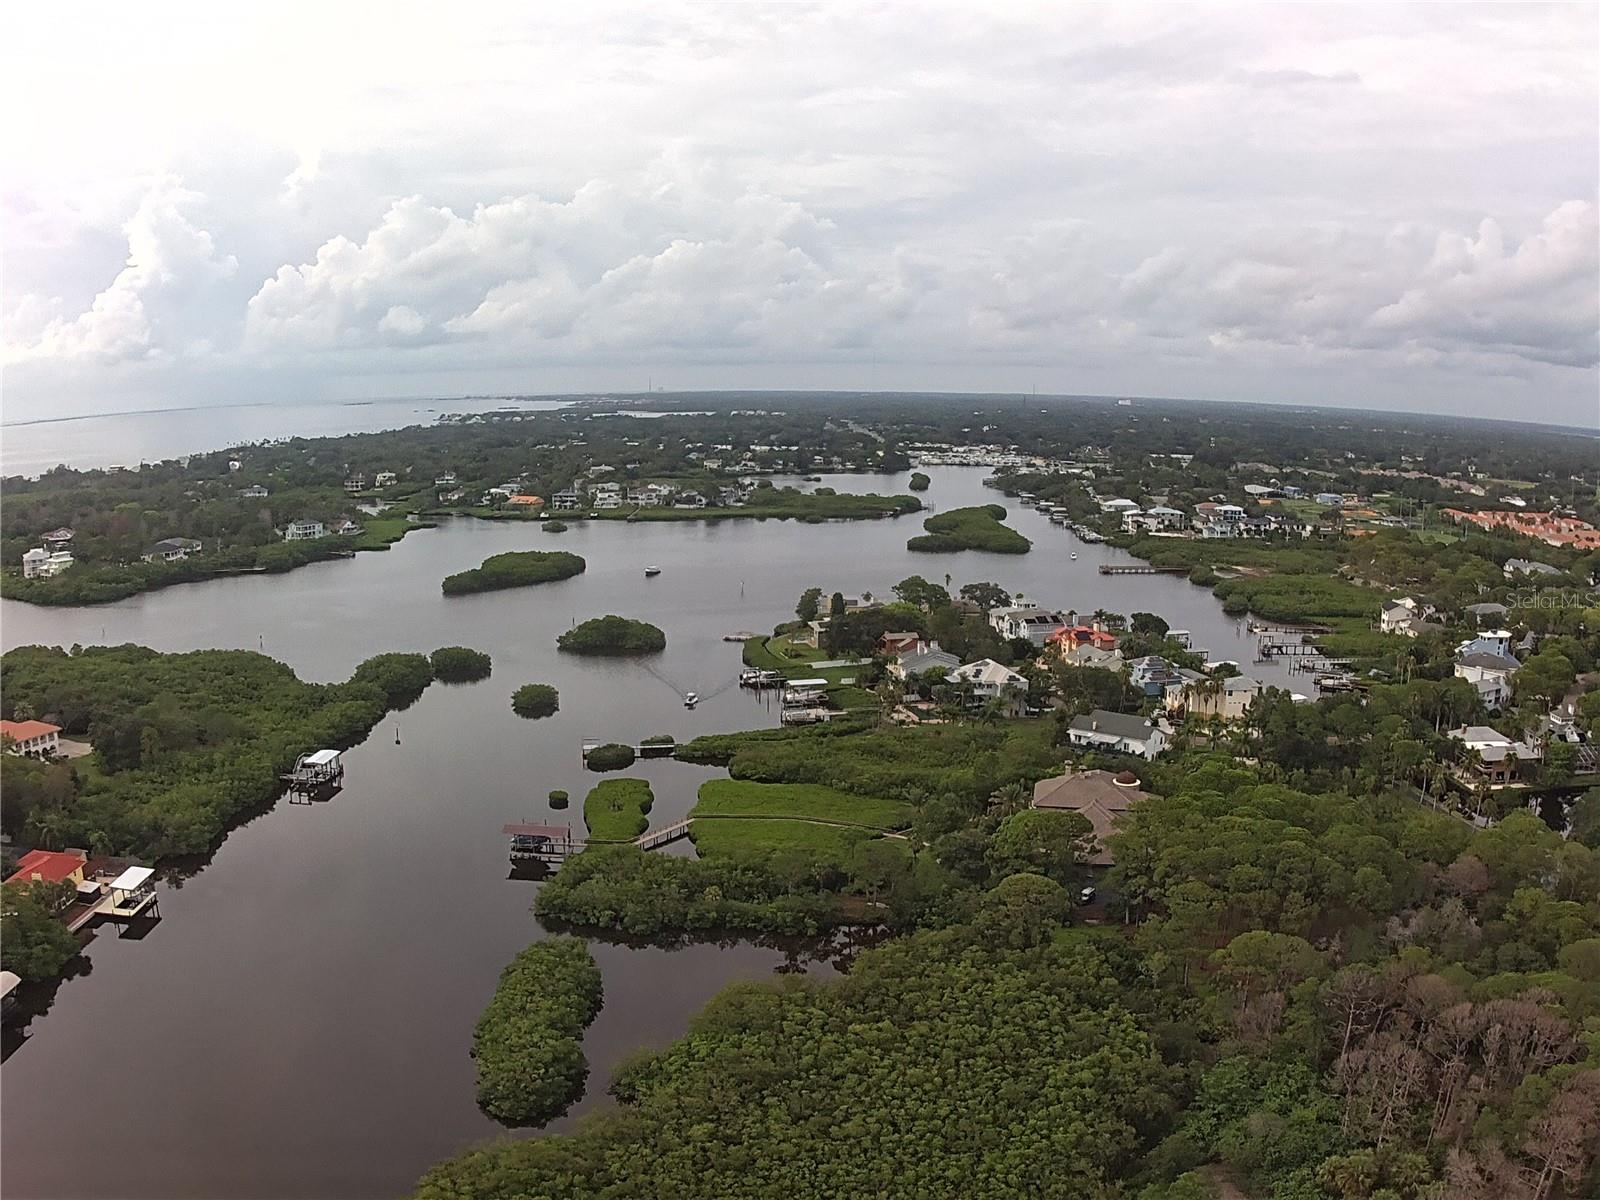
297	1023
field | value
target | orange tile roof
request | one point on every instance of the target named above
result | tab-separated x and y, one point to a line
24	730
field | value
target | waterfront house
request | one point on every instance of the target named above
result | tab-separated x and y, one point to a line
447	479
1025	621
608	500
896	644
1396	614
355	483
1158	519
1069	637
927	656
1487	641
1118	505
1494	756
526	502
346	528
385	479
1490	675
1121	733
173	549
1488	611
33	739
1092	656
50	866
989	681
566	500
40	563
304	530
1330	499
1228	699
1099	796
1527	566
254	492
56	539
1153	674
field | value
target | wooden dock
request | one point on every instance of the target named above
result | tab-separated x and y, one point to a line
1142	569
652	838
541	843
554	844
1268	650
640	749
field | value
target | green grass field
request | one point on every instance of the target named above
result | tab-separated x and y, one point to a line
742	798
379	533
732	835
614	810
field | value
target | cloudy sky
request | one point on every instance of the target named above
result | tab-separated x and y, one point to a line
1390	206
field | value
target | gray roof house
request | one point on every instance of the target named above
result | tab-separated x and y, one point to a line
1122	733
1099	796
1528	566
171	550
914	662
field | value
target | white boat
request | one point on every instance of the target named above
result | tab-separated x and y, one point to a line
1074	556
690	699
649	571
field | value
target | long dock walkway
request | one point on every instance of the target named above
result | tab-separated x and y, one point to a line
652	838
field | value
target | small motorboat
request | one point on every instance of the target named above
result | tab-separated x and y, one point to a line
651	571
1074	556
690	699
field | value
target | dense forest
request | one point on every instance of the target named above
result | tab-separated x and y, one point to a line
1317	993
184	744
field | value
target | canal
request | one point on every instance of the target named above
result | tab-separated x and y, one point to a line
297	1023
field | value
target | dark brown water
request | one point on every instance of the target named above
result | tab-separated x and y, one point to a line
297	1024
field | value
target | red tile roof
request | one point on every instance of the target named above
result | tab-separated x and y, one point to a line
48	865
23	730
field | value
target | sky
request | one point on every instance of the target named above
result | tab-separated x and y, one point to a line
1388	207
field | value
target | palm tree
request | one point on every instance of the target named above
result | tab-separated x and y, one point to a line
889	693
1012	798
48	826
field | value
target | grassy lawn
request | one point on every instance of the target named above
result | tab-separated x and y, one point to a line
379	533
722	836
782	654
907	764
742	798
615	809
847	697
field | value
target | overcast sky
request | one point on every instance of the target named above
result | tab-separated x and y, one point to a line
1390	206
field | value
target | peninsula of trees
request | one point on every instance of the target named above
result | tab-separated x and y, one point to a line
528	1044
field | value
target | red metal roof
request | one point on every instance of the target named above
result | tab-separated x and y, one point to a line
48	865
23	730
